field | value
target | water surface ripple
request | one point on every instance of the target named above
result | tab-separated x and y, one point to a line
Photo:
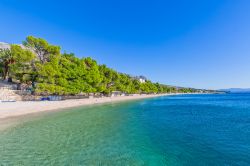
172	130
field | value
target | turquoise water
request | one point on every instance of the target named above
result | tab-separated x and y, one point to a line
174	130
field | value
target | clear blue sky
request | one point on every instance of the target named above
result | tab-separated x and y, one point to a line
192	43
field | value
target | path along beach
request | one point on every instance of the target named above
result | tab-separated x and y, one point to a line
19	108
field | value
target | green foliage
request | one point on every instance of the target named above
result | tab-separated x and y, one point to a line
21	68
16	62
55	73
42	48
6	59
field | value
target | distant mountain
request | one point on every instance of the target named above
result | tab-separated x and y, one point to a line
236	90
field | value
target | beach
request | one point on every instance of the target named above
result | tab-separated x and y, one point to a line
19	108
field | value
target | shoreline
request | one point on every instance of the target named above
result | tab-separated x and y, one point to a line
20	108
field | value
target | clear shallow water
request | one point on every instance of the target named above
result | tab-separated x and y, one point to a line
174	130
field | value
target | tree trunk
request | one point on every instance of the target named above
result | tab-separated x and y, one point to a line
4	75
6	70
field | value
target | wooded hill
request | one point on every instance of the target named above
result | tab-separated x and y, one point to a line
45	70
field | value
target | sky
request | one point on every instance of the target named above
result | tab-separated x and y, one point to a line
189	43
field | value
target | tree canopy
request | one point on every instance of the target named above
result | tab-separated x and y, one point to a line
52	72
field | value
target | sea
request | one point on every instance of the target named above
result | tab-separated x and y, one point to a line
179	130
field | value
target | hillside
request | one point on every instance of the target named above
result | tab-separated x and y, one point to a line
236	90
45	70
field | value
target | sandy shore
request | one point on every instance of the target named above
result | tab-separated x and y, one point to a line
14	109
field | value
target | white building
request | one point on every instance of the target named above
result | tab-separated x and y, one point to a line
142	79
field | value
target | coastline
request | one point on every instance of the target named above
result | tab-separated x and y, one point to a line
20	108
